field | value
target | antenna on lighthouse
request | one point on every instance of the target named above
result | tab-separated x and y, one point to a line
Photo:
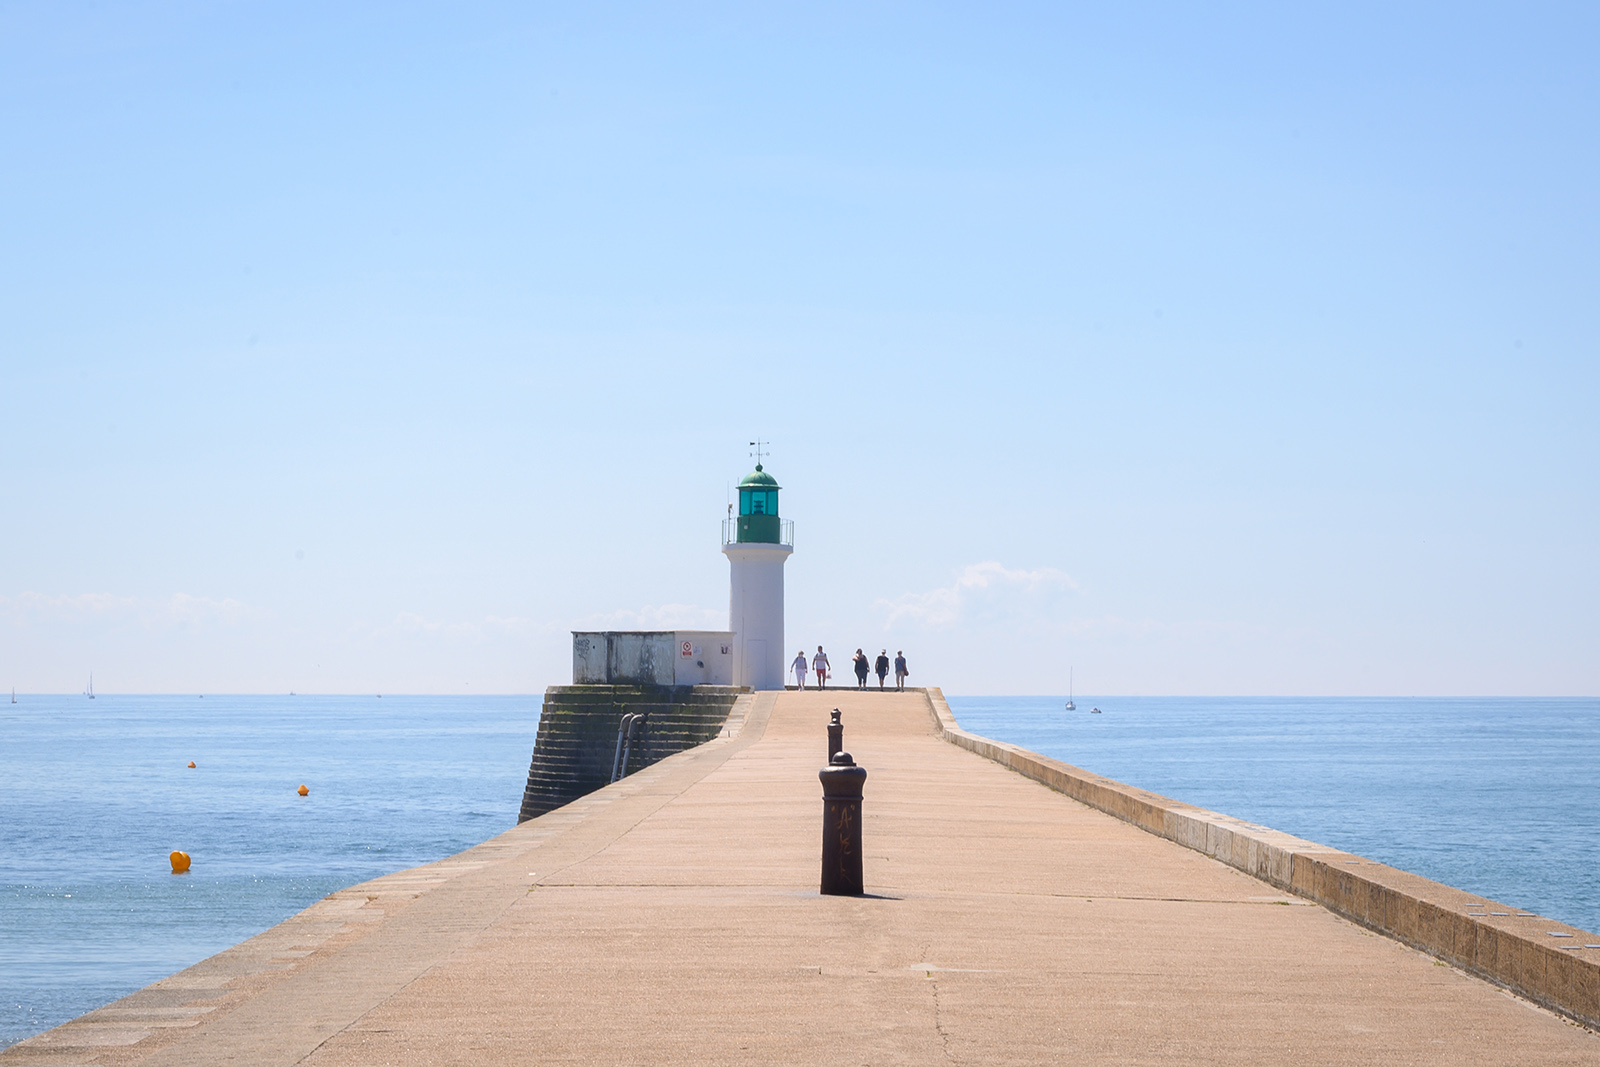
758	446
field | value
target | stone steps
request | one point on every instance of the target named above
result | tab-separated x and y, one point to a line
576	743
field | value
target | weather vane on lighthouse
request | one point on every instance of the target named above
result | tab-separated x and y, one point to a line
758	445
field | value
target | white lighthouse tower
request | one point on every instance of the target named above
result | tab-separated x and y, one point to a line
757	545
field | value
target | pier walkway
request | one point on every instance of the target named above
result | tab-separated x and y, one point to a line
673	918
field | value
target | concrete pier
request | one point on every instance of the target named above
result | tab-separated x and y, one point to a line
674	918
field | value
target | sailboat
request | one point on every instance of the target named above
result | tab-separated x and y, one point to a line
89	692
13	694
1070	705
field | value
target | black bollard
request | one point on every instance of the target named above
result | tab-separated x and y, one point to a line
835	734
842	782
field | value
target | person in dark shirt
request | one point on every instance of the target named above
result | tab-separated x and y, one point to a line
882	666
900	671
863	668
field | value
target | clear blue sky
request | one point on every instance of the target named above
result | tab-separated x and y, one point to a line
1202	348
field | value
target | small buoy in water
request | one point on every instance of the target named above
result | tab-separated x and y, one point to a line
303	791
180	862
191	764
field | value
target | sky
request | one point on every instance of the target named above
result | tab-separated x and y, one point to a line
1192	349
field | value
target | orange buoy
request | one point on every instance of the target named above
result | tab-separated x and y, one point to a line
303	791
191	764
180	862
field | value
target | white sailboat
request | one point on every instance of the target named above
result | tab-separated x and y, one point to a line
89	692
1070	705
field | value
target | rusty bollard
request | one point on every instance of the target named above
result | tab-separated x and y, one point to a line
835	734
841	826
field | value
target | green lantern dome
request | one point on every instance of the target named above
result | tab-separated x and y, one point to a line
759	479
758	508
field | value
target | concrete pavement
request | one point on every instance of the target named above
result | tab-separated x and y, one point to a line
674	918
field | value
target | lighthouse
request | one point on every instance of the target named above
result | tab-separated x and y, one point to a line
757	544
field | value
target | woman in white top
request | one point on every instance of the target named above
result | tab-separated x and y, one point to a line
819	667
799	666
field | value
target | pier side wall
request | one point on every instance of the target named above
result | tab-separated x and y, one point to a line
1530	955
577	740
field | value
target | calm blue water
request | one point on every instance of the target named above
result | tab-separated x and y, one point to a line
95	794
1497	796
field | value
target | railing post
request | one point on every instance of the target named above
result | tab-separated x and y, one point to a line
635	728
835	735
622	736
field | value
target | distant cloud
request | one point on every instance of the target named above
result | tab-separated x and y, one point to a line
1116	628
81	606
412	623
658	617
507	624
983	586
490	627
180	610
1113	626
409	622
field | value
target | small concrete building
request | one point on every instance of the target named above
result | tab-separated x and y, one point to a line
757	544
652	657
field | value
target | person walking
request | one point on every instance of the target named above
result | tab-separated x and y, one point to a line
862	669
900	671
819	667
799	666
882	666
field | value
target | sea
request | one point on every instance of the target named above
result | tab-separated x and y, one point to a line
96	794
1498	796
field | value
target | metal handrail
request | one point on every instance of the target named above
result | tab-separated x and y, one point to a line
730	533
622	734
632	726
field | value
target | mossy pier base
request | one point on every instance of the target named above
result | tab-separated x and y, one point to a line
575	749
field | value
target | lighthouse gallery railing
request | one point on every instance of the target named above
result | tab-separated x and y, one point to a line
730	532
